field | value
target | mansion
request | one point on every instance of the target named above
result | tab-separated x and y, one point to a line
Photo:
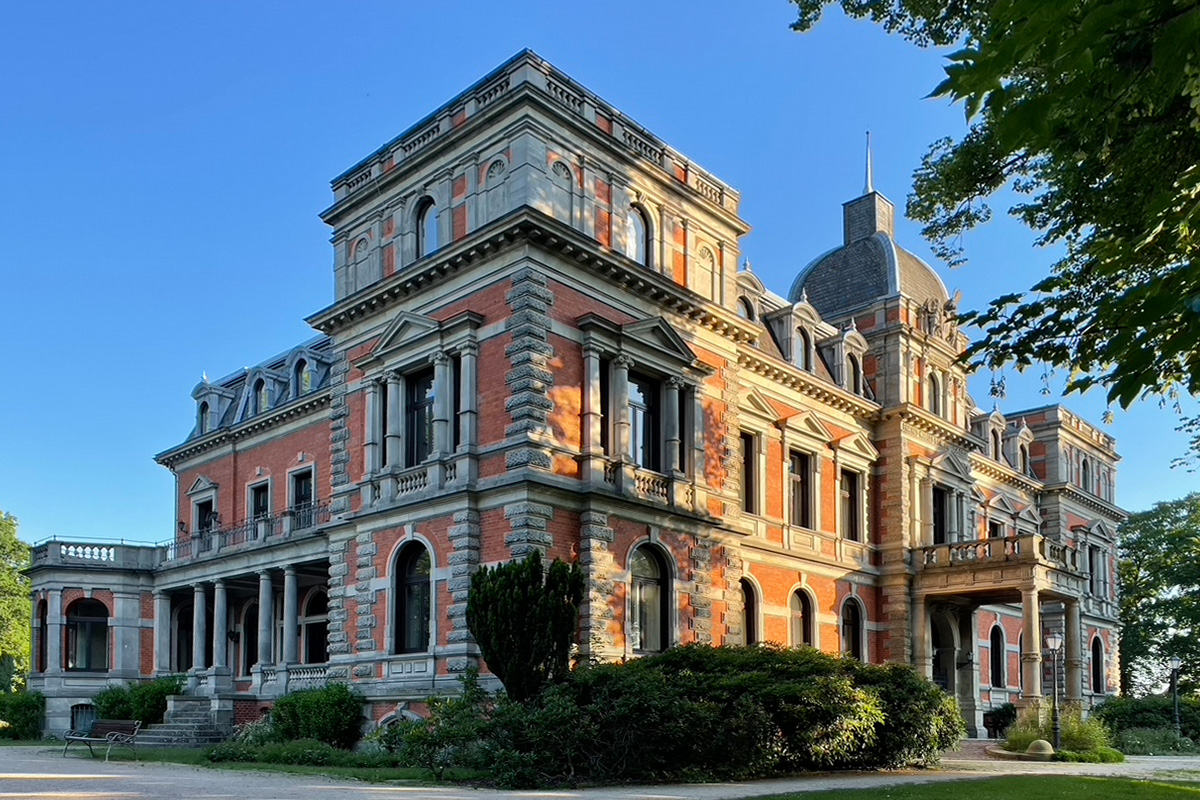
540	338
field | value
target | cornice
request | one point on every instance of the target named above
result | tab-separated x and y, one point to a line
1005	474
807	384
529	225
1088	500
939	429
274	418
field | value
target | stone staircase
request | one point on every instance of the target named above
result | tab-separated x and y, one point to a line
971	750
188	724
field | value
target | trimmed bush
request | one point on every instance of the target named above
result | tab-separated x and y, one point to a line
332	714
21	715
1124	713
302	752
146	702
693	713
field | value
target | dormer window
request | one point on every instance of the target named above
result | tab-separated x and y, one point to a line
1023	458
745	309
853	374
637	235
427	228
1085	475
996	445
303	378
804	350
261	398
202	424
935	395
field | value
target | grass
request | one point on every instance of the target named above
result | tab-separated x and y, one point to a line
1024	787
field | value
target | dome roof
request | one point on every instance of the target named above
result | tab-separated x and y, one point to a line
868	266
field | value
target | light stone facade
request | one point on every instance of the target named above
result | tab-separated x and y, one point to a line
540	339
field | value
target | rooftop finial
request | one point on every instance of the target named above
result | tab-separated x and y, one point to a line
869	186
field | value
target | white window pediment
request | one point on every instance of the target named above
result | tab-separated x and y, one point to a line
752	400
657	333
1030	514
405	330
807	424
1001	504
857	446
201	485
954	464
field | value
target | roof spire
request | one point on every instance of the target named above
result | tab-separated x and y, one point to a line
869	185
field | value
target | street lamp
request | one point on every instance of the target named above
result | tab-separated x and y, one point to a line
1054	642
1175	662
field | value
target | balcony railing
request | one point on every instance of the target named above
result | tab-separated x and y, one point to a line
1030	547
252	532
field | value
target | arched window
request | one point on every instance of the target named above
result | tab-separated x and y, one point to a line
1021	660
87	636
749	612
411	588
637	235
314	627
202	418
998	658
427	228
1085	475
853	375
249	637
261	400
935	395
1098	686
852	629
801	619
996	444
43	629
745	309
804	350
303	377
1023	455
650	629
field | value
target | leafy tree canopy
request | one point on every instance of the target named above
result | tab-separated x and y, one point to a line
1090	111
14	598
1160	595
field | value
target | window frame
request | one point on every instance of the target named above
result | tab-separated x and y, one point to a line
1097	672
402	583
82	633
750	612
750	485
664	583
801	484
997	658
802	618
638	240
426	227
854	500
859	629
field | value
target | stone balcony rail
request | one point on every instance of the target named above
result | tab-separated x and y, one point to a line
1025	548
258	531
118	554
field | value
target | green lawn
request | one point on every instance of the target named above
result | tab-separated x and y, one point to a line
195	757
1023	787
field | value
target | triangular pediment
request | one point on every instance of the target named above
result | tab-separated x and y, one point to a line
753	400
201	484
1001	503
1030	514
656	332
858	444
807	423
404	328
953	463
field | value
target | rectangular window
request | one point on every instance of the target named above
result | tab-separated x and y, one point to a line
941	516
749	474
995	530
303	510
418	417
260	501
851	506
204	515
801	485
645	432
1096	570
456	433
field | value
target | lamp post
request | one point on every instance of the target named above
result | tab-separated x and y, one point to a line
1175	662
1054	642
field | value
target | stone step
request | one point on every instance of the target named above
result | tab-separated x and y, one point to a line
190	719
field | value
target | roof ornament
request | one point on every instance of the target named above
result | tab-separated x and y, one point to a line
869	185
803	294
204	376
746	265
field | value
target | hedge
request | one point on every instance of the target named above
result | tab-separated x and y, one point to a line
22	714
141	701
332	714
1158	711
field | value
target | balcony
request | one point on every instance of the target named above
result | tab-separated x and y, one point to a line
299	520
999	567
96	555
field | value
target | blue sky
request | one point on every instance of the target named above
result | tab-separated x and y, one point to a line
164	164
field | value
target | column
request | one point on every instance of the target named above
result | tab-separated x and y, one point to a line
926	506
620	393
467	414
1073	637
220	641
592	412
162	633
671	427
960	520
394	420
1031	656
266	614
442	395
54	631
370	437
920	634
291	624
199	626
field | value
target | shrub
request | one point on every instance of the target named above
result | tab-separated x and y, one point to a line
141	701
693	713
332	714
257	732
1101	755
1124	713
1077	733
1005	715
21	715
302	752
1153	742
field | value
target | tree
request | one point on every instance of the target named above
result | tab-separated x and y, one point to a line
1090	111
1160	594
524	620
14	598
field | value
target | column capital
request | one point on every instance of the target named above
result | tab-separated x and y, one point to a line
391	376
289	571
623	361
439	358
676	382
218	583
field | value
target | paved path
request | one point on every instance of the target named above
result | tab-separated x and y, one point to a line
38	773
